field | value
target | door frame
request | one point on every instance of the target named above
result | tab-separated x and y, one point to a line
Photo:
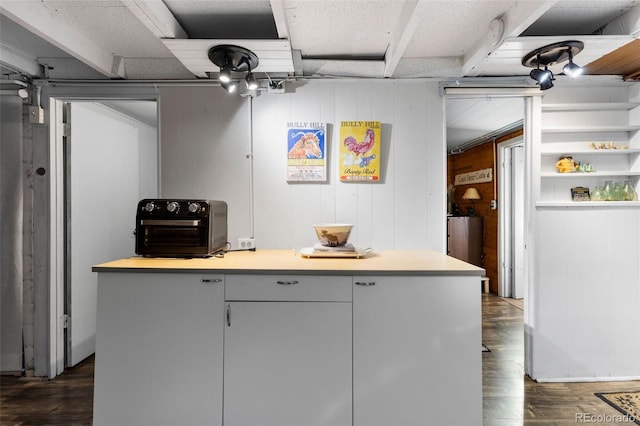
505	213
55	97
532	123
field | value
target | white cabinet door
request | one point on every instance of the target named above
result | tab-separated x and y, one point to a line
159	353
417	351
288	364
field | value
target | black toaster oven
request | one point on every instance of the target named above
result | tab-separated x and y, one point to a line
180	228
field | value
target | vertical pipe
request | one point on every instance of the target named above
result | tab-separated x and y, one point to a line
250	157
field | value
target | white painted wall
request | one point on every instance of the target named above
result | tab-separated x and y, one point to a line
584	319
205	141
107	177
206	137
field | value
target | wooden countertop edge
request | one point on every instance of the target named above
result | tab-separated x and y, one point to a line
394	262
327	272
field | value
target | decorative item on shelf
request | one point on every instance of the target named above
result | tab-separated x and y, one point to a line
566	165
607	191
607	145
628	192
473	195
580	193
585	168
617	192
596	194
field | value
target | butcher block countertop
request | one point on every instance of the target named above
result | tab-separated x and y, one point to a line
389	262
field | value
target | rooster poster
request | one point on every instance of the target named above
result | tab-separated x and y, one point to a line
359	151
306	152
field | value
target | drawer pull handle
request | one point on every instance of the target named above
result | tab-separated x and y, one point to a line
288	282
228	315
365	283
211	280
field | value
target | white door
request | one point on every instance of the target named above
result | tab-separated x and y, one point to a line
102	191
287	364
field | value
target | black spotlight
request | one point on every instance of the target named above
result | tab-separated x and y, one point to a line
232	58
544	78
571	69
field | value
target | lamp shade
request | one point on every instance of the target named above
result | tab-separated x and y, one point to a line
471	194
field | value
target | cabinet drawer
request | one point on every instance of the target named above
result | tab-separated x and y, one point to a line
316	288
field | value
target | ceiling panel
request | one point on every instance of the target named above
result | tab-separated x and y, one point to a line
453	28
341	28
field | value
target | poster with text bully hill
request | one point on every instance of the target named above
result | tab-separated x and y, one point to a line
306	152
360	151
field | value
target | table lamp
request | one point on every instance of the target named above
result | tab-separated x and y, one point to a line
473	195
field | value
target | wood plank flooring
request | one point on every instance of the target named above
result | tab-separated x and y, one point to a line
509	397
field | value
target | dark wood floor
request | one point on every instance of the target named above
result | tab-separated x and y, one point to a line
509	397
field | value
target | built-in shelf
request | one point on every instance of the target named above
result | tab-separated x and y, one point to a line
591	129
596	106
589	174
571	129
591	151
587	204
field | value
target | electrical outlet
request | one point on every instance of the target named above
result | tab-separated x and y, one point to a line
246	243
276	87
494	204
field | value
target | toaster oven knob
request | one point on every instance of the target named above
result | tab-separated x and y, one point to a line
149	207
194	207
173	207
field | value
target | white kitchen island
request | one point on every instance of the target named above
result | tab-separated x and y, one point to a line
271	338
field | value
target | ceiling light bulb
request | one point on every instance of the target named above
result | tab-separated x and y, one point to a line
225	74
252	83
546	81
572	70
230	86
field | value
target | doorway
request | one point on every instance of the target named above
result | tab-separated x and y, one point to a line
107	161
476	125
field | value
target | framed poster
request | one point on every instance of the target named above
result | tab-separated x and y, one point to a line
360	151
306	152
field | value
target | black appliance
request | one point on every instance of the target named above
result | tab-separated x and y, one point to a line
180	228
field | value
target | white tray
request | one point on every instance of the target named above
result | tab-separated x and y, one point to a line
312	252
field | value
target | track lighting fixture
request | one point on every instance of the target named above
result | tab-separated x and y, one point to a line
230	59
549	55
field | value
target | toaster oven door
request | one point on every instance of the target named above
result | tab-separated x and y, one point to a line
173	237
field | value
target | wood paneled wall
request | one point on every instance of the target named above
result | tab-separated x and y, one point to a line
483	156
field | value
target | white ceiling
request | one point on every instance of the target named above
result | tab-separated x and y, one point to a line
445	39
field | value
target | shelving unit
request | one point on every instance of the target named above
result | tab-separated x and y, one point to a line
570	129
